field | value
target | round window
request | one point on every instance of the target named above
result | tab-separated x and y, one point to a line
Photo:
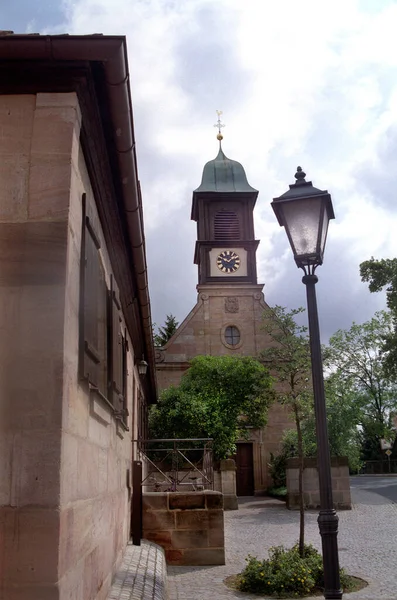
232	335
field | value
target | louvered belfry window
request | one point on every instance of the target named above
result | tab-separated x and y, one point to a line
226	225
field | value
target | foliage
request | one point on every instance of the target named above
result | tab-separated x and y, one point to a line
278	462
289	354
344	437
343	419
178	414
166	332
289	359
278	492
277	469
383	274
359	382
285	573
217	398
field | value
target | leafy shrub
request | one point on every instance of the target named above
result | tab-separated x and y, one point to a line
277	470
280	492
278	463
285	573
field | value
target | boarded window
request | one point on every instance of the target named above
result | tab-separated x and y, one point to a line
226	226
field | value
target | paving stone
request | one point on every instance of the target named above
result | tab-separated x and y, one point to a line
367	547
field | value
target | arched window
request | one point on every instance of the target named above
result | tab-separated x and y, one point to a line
226	225
232	335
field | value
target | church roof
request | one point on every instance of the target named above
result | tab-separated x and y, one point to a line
224	175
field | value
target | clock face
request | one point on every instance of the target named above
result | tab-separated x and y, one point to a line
228	261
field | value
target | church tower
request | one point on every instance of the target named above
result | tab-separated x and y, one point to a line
228	315
223	208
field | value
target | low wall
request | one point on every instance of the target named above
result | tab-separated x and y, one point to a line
189	526
311	492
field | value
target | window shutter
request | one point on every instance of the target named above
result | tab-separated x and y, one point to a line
93	308
117	359
92	281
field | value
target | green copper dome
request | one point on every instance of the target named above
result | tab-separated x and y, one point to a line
224	175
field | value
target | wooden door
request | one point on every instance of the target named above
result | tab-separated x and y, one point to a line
245	469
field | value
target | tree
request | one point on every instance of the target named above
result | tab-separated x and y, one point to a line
289	359
343	419
217	398
166	332
383	274
355	358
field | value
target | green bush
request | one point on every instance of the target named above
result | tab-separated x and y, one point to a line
285	573
278	463
279	492
277	470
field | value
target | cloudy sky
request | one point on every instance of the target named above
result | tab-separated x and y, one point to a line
311	83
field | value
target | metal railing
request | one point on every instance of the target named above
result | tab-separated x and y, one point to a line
176	464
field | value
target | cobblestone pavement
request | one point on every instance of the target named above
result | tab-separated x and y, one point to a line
142	575
367	546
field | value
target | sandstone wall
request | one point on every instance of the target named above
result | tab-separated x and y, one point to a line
340	483
37	137
202	332
64	459
96	460
189	526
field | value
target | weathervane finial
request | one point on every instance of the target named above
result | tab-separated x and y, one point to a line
219	125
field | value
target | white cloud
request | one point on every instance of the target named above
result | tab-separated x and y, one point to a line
311	82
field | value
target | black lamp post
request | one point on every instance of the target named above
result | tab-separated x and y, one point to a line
305	212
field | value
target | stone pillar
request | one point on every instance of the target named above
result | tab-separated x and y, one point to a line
228	484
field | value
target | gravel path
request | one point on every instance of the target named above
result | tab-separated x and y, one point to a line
367	546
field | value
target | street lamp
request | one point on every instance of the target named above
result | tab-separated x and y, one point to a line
305	212
142	367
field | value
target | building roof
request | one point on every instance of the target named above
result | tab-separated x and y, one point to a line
224	175
96	68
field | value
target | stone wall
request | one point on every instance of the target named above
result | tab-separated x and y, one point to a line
340	483
36	142
64	459
189	526
97	450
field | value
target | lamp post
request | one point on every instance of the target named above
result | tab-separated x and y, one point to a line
305	212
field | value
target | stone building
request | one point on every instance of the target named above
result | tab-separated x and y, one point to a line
74	315
228	316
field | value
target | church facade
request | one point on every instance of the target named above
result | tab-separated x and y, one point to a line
228	315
